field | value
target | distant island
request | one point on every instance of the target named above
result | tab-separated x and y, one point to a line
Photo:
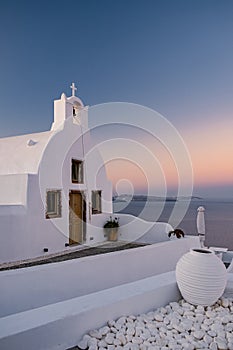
145	198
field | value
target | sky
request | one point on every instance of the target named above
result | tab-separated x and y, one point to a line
175	57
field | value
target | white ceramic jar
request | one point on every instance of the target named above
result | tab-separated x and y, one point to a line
201	277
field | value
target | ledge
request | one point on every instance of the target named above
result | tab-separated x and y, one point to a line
62	325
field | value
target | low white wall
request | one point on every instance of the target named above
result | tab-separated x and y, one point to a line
131	229
34	287
29	233
62	325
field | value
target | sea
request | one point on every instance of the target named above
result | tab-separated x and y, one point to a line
218	217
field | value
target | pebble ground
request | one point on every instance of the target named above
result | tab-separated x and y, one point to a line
177	326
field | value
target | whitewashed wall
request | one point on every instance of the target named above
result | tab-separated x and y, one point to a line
61	325
24	231
34	287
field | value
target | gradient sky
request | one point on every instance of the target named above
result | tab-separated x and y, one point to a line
175	57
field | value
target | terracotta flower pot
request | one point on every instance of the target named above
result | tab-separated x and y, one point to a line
201	277
112	233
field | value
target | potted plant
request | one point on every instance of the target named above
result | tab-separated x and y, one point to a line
177	233
111	226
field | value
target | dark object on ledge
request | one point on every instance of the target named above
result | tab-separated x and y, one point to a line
177	232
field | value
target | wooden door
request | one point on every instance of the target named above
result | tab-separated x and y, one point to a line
76	218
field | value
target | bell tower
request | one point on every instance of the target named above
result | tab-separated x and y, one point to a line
70	107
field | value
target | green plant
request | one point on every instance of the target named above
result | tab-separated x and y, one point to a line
111	223
177	232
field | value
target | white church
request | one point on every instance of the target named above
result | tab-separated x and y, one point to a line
50	194
54	192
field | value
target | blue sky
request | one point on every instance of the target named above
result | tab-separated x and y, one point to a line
173	56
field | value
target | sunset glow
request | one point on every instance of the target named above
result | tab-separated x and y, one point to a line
211	147
210	152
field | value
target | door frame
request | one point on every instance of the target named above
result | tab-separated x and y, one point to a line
82	193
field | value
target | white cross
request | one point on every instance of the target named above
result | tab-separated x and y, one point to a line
73	88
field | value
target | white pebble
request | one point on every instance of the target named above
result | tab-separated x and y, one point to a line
229	327
219	340
216	327
225	319
208	321
174	305
113	330
83	344
163	310
222	346
145	335
224	302
200	318
128	338
200	309
196	327
158	317
221	334
130	332
93	347
213	346
132	317
205	327
212	333
92	342
111	347
109	339
121	338
210	314
95	334
199	334
137	340
102	344
104	330
207	338
121	320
